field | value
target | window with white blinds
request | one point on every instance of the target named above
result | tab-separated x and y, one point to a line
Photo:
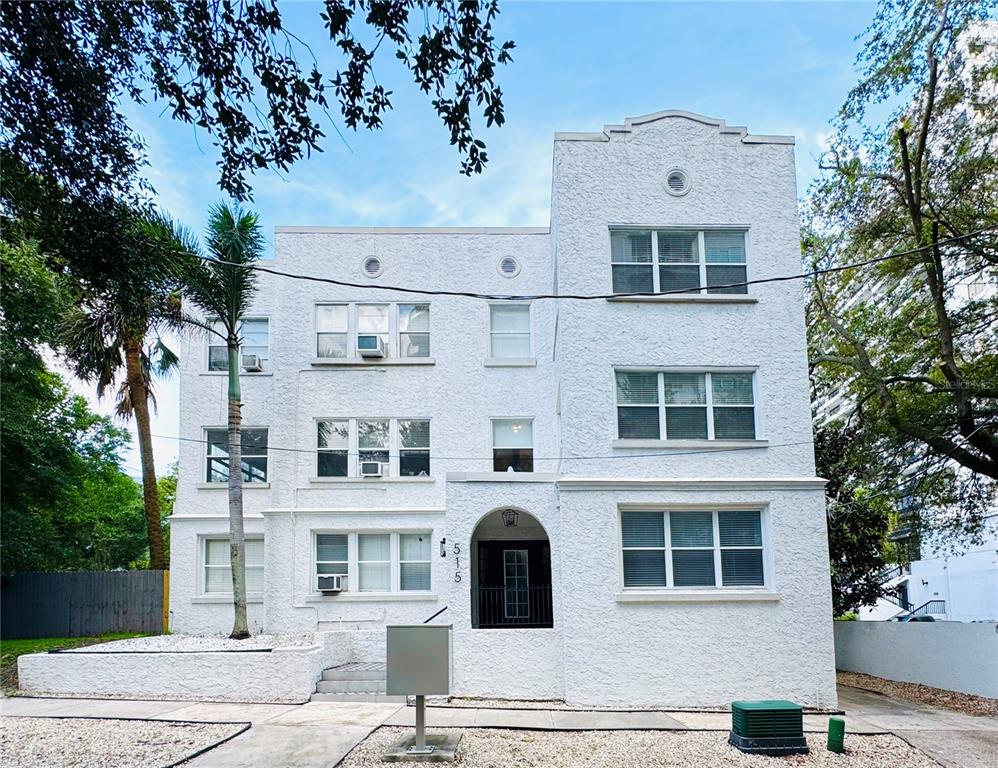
666	405
218	566
692	548
509	331
402	446
376	561
678	261
404	329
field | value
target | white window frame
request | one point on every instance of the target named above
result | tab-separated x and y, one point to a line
392	348
353	562
701	255
213	340
202	586
353	448
492	440
667	549
205	458
708	404
530	331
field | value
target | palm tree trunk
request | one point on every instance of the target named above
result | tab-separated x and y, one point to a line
237	540
138	394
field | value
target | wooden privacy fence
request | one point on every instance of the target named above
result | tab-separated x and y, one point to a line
83	603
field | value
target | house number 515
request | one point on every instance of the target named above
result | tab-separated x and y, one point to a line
457	563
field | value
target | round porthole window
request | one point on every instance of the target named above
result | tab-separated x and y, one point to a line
508	266
677	182
372	266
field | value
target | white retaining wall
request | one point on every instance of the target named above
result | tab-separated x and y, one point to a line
948	655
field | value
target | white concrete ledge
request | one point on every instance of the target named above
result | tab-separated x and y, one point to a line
362	482
698	596
691	483
242	374
679	445
690	298
367	362
511	362
225	486
308	230
501	477
355	511
374	597
211	599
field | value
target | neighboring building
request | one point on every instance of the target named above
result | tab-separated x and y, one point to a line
614	499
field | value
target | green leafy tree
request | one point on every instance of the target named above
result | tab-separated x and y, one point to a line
912	338
222	288
167	487
234	70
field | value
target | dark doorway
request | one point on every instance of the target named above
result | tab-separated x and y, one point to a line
514	584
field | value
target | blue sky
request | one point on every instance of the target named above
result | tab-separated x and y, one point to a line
780	68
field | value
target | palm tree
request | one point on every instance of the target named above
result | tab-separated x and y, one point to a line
116	327
222	290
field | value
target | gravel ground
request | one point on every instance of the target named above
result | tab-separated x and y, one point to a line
647	749
922	694
165	643
39	742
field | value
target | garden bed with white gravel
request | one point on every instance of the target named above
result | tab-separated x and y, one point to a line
197	644
650	749
105	743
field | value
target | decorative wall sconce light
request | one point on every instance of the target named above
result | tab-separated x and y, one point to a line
443	547
510	517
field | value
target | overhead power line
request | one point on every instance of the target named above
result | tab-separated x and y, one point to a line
257	267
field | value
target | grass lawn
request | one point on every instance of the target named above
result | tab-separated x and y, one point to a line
11	649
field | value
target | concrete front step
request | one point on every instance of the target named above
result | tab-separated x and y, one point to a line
350	686
359	697
356	671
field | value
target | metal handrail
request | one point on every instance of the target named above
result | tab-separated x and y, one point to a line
435	615
889	573
930	606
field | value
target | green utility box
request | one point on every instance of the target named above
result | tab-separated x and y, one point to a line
768	727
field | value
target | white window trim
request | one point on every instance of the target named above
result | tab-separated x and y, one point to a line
201	594
706	593
492	441
204	483
692	296
511	362
393	347
759	441
353	450
206	351
353	566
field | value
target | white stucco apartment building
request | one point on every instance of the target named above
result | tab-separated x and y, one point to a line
614	499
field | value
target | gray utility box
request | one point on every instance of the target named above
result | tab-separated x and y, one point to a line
419	659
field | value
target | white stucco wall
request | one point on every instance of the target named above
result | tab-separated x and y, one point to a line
948	655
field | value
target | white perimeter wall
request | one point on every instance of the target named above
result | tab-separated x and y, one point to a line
949	655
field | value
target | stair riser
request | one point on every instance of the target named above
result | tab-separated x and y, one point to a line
359	698
353	674
351	686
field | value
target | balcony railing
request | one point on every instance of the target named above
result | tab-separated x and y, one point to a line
501	607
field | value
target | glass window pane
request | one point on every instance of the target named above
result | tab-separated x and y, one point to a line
642	529
414	576
693	568
414	318
254	469
739	529
414	434
414	344
644	568
218	579
372	434
374	546
685	388
334	434
254	442
679	279
726	276
511	318
375	577
414	546
630	246
372	318
218	470
510	345
638	423
637	388
414	463
254	336
218	358
331	318
254	553
678	247
512	433
731	388
218	442
332	464
724	247
216	552
331	345
331	569
741	567
629	278
734	423
331	546
254	579
686	423
517	459
691	529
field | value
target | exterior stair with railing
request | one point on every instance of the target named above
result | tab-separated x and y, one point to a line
357	681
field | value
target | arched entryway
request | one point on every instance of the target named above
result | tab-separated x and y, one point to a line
510	572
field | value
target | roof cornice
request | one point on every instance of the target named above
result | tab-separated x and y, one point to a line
304	230
631	122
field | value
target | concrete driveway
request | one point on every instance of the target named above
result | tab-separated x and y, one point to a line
954	739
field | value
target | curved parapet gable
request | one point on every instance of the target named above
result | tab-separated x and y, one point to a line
631	122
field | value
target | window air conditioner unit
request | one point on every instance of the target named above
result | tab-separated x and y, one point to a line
252	363
331	585
371	469
370	345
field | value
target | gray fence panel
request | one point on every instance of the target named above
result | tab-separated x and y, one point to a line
80	603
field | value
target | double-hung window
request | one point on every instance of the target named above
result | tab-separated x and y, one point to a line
404	329
512	445
218	566
414	562
254	455
692	548
254	339
376	561
678	261
679	405
509	331
401	446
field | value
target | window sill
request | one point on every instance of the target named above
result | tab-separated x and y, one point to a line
362	481
698	596
689	298
216	599
241	373
373	597
225	486
368	362
502	477
719	445
510	362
